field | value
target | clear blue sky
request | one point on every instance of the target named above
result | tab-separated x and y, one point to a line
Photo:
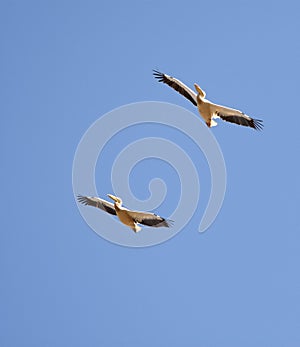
66	63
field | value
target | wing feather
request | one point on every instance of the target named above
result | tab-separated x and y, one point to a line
149	219
235	116
97	202
176	85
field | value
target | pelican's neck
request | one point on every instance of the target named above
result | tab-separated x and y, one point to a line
118	205
200	100
201	93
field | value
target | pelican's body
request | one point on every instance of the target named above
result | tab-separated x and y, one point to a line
205	109
208	110
127	217
123	214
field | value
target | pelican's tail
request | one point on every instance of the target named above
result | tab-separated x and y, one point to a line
211	123
136	228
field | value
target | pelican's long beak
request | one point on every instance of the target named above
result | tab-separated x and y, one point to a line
200	91
114	198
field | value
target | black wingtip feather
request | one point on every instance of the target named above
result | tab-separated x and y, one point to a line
158	75
82	199
169	222
257	124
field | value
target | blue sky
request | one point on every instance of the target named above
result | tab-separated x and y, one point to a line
64	64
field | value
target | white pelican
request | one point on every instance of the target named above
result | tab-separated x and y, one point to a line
207	109
127	217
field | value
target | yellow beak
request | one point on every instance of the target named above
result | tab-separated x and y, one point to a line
114	198
200	91
198	88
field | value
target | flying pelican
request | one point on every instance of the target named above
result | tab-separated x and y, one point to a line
207	109
127	217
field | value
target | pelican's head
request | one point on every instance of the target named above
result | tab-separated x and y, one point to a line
115	199
200	91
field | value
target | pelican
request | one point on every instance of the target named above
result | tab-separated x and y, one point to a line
207	109
127	217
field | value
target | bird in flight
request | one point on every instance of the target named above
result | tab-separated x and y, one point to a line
127	217
208	110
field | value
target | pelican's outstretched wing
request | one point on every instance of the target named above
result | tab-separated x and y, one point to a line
236	116
149	219
97	202
177	85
